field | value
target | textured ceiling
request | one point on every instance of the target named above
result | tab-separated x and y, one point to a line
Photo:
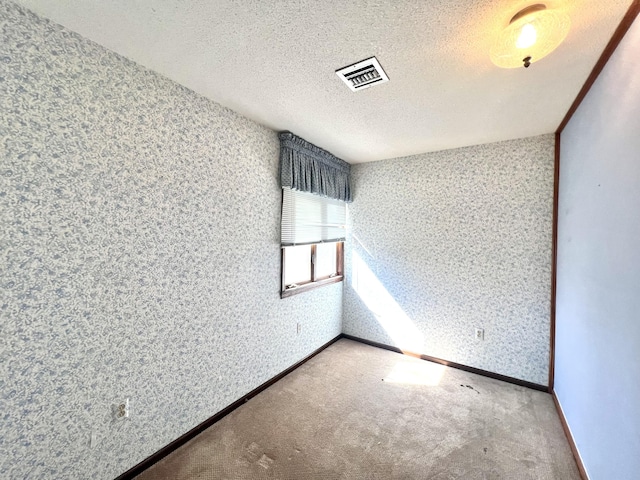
274	62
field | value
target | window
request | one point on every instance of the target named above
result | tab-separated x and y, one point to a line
313	231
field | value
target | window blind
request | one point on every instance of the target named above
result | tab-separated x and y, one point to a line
309	218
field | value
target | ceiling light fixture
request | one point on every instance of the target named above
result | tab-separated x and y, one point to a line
532	34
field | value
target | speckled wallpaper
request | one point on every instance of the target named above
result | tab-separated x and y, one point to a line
443	243
139	258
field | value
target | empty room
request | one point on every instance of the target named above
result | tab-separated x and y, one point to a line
320	240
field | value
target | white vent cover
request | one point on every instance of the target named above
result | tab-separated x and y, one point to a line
363	74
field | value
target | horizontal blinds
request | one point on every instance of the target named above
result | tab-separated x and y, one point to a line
309	218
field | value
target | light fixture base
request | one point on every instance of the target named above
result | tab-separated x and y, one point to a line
527	11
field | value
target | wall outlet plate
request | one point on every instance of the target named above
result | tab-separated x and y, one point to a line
479	333
121	410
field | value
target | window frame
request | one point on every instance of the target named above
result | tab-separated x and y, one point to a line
314	283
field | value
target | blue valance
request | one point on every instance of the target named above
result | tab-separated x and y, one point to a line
308	168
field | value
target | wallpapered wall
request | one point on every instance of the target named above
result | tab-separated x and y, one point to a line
598	324
139	254
442	243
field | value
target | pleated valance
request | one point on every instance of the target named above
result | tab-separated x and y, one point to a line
308	168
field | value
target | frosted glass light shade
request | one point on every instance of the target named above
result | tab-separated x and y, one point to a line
534	35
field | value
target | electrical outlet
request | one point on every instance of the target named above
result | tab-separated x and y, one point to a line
123	409
479	334
298	328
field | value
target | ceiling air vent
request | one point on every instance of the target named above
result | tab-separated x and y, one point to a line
363	74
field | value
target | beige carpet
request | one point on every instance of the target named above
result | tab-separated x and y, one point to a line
360	412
